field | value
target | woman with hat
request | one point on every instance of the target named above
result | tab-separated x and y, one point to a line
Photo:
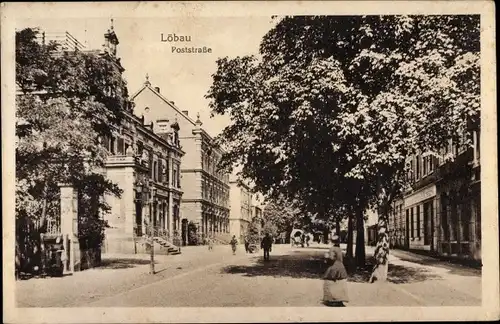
335	278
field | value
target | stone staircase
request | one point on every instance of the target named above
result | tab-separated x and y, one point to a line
170	247
162	242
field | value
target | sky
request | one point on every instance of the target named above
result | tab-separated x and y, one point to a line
182	78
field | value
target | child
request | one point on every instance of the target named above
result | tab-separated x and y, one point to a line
335	280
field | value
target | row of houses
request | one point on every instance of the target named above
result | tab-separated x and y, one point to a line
441	213
166	164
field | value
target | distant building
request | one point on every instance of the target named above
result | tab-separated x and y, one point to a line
205	202
241	208
258	205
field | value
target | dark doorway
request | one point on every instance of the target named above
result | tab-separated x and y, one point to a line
138	218
184	232
407	230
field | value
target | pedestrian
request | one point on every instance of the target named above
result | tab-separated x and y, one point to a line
247	244
210	244
266	245
307	240
233	243
335	278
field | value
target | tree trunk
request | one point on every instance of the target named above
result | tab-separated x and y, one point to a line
382	250
349	238
360	239
43	216
337	228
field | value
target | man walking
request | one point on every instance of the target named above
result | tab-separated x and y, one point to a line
233	243
266	245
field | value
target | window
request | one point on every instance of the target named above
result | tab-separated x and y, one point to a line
167	172
178	176
140	148
417	172
174	177
120	148
155	171
444	218
412	171
418	221
412	225
112	145
151	167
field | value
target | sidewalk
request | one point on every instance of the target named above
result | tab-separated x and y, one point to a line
118	273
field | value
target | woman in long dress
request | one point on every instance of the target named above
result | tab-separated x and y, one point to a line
335	279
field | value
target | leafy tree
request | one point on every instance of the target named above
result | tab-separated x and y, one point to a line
281	217
66	103
253	234
334	107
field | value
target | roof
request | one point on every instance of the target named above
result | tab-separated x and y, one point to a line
147	85
168	102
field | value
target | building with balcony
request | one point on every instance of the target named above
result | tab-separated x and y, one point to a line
241	208
205	201
441	212
145	165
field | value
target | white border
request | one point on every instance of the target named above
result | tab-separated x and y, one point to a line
490	277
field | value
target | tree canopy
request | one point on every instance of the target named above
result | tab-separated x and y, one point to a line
66	103
335	105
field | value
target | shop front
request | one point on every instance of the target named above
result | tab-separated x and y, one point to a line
420	219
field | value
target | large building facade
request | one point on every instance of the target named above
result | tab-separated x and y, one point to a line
145	166
441	213
205	201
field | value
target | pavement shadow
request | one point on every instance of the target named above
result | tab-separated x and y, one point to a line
295	266
312	266
121	263
397	274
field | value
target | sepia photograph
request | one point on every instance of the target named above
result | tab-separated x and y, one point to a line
197	157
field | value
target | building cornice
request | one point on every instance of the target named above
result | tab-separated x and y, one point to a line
205	173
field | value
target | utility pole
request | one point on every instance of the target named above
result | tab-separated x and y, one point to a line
151	231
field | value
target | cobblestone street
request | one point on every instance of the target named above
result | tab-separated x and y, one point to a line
199	278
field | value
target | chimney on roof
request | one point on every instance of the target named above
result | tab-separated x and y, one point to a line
185	112
157	89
